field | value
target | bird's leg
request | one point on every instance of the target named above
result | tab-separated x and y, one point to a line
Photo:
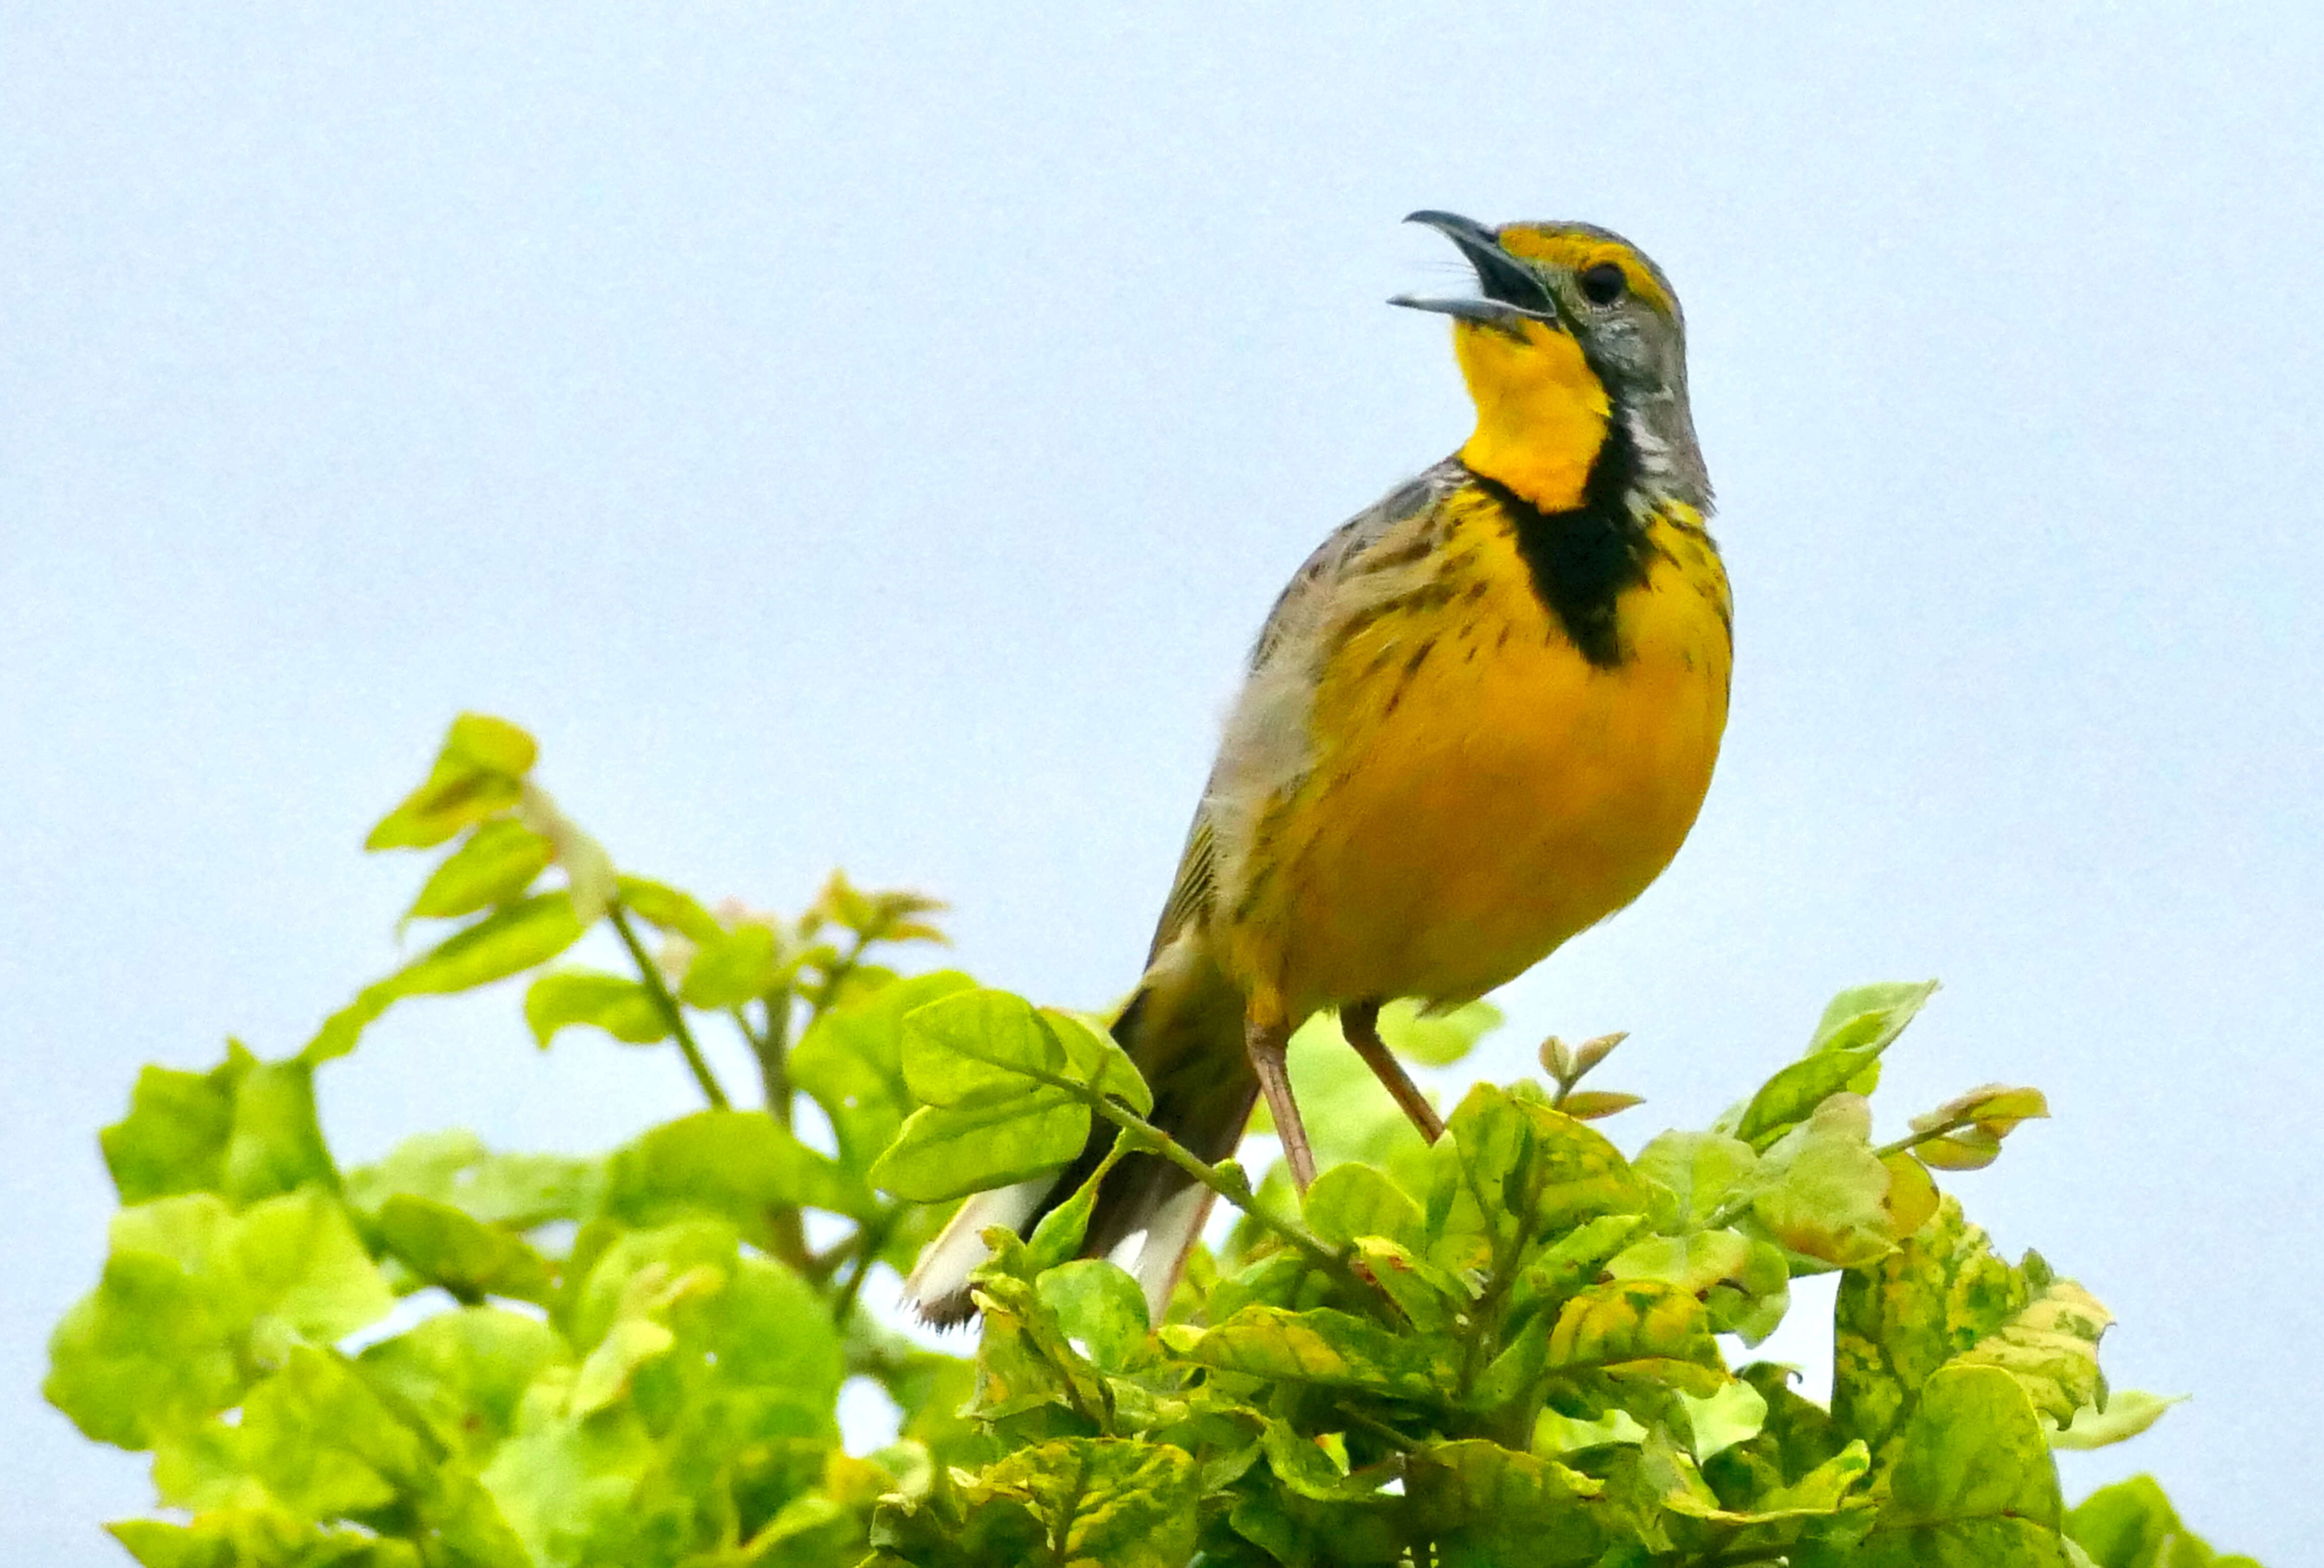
1265	1042
1360	1023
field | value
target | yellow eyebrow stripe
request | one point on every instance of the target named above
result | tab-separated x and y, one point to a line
1574	253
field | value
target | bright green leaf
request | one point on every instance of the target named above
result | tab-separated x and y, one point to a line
620	1006
1349	1201
1436	1039
477	775
1098	1303
508	941
974	1044
465	1373
739	1165
471	1261
173	1141
1821	1194
1008	1133
1733	1414
1323	1347
454	1167
497	864
851	1060
735	966
2128	1412
661	905
1973	1483
324	1443
1702	1172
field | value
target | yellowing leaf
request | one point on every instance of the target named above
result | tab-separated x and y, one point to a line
478	774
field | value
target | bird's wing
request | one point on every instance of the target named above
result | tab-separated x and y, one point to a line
1296	611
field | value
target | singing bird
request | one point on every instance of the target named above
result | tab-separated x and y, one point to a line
1481	719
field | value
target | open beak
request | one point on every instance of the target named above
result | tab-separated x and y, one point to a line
1512	293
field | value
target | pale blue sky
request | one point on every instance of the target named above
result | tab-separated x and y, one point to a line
851	434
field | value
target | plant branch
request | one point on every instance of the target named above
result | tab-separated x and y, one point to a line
657	988
869	1237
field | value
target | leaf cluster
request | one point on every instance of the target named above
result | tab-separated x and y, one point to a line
1520	1345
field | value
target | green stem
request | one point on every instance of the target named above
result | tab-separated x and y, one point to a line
659	989
774	1070
870	1239
828	992
1931	1135
1145	1137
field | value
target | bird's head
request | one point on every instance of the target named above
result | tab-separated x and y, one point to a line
1575	351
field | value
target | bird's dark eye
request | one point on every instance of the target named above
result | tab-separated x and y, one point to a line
1603	283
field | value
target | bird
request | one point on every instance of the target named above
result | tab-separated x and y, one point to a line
1480	719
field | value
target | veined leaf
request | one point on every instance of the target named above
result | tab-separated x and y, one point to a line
511	939
478	774
1001	1135
497	864
620	1006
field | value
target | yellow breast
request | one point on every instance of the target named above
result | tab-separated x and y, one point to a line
1479	791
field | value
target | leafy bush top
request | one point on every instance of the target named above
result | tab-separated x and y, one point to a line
1511	1347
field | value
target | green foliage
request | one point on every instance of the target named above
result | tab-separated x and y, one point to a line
1512	1347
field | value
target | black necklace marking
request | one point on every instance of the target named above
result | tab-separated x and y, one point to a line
1584	559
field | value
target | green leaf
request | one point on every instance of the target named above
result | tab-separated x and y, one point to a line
1733	1414
1870	1017
276	1144
1820	1192
497	864
735	966
2128	1412
1098	1304
1096	1060
739	1165
1554	1434
1487	1506
258	1537
464	1373
324	1443
478	774
851	1060
1700	1173
299	1262
620	1006
603	1377
1523	1170
1843	1054
1428	1296
1639	1328
668	909
508	941
246	1129
193	1297
1973	1483
2051	1346
1436	1039
1305	1467
469	1260
974	1044
151	1351
516	1190
2132	1525
1005	1134
1325	1347
1943	1296
1349	1201
1104	1500
173	1141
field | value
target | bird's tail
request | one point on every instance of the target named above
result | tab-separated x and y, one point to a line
1185	1032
